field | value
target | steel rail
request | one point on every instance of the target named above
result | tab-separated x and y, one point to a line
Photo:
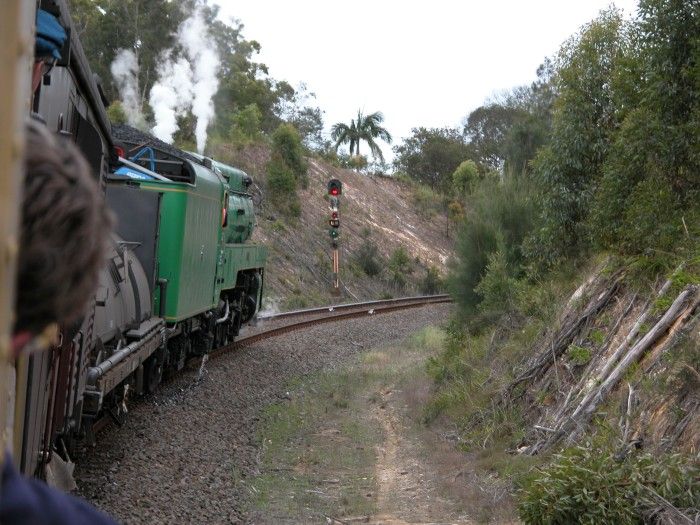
331	315
348	306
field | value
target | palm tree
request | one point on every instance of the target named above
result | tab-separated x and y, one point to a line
367	128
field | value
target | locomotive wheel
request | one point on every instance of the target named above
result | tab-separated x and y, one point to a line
154	374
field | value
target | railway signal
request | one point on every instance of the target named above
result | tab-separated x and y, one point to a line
335	190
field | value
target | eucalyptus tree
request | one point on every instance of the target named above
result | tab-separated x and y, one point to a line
366	128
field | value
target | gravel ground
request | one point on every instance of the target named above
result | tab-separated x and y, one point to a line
183	452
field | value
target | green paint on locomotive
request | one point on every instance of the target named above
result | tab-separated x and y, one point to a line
198	257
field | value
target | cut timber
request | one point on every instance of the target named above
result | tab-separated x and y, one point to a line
657	339
571	325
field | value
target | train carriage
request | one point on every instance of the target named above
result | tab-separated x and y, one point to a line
181	278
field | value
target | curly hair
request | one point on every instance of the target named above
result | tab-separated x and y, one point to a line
64	233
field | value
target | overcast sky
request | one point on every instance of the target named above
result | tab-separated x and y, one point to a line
427	63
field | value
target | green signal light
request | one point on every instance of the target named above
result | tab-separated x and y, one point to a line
334	233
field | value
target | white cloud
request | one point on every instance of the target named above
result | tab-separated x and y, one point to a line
421	63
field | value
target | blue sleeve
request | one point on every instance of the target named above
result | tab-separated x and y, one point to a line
25	501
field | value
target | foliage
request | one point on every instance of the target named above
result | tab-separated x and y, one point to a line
116	113
308	120
578	355
431	283
365	128
584	121
431	156
357	162
287	144
592	485
399	266
486	129
501	215
465	177
647	198
368	258
148	28
246	125
497	288
505	133
426	202
281	185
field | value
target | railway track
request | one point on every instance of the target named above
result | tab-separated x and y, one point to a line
299	319
312	316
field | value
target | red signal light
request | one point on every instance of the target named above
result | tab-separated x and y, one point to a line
335	188
334	215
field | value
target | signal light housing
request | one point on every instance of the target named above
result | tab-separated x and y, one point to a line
335	188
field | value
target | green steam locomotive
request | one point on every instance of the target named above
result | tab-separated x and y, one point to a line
181	278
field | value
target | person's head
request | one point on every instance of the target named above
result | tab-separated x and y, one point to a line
64	232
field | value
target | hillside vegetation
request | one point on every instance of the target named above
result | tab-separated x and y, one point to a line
578	279
388	247
573	205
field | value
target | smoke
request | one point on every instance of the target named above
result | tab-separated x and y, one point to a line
188	83
171	96
125	72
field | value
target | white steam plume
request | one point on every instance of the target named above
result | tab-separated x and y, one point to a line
125	72
170	96
188	83
193	36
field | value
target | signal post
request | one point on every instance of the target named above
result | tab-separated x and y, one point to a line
335	190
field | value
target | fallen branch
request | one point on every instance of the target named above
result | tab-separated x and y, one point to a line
571	326
662	333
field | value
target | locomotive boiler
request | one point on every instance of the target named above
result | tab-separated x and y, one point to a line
181	277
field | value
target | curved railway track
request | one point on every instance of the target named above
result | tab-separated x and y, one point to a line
326	314
299	319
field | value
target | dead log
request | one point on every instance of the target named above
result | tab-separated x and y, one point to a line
663	331
571	326
659	337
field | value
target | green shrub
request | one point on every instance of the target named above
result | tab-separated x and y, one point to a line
426	201
431	283
368	258
281	186
497	288
116	113
399	267
465	177
578	355
500	217
246	125
592	485
287	144
357	162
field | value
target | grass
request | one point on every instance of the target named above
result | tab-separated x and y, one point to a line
319	447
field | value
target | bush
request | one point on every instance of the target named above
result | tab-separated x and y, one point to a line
400	266
116	113
497	288
246	125
592	485
465	177
426	201
501	216
368	258
281	186
287	144
431	283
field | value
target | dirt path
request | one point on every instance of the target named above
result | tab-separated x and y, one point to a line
348	447
408	488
